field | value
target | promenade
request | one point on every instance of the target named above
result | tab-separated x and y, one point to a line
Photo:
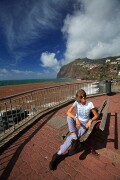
28	156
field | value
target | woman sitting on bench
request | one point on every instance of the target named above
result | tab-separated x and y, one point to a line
77	125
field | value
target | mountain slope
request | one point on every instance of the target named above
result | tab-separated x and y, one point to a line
91	69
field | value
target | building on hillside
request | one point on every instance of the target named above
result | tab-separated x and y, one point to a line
107	60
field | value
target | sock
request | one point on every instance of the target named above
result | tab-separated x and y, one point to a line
59	152
74	136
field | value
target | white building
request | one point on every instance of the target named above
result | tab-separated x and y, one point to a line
118	59
107	60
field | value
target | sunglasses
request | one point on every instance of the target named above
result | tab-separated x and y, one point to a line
82	97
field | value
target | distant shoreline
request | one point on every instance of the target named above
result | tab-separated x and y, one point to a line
33	81
9	90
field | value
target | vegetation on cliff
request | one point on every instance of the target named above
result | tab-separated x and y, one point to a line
89	69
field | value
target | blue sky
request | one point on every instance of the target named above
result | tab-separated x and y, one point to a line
37	37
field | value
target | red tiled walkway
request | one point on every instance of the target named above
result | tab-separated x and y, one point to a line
29	155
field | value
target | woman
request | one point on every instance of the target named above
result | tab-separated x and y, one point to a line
77	125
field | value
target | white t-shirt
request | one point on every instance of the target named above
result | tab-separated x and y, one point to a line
83	111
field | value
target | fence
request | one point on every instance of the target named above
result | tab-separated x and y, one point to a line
19	109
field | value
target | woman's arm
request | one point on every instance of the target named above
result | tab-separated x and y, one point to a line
95	117
95	113
70	114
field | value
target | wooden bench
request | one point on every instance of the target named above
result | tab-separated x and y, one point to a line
103	112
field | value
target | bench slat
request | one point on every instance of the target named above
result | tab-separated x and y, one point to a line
102	107
104	117
88	132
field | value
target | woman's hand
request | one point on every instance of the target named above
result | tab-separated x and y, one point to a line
88	124
77	123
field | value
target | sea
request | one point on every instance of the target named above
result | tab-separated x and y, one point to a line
32	81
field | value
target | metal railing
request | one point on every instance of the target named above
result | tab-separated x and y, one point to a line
20	108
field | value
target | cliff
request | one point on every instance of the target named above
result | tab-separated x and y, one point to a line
91	69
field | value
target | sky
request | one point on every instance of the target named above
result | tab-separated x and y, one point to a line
38	37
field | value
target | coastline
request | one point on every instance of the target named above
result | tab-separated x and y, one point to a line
15	89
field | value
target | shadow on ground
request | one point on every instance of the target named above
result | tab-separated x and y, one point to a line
27	134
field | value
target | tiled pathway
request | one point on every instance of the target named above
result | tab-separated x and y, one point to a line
28	157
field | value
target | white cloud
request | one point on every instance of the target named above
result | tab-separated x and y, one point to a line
19	74
49	60
94	31
4	73
25	21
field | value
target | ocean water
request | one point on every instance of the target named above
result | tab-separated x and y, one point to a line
32	81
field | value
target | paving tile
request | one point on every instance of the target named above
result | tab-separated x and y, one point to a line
81	176
69	170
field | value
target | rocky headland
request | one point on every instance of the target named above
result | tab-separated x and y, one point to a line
91	69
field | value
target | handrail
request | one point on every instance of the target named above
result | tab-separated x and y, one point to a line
26	105
48	87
